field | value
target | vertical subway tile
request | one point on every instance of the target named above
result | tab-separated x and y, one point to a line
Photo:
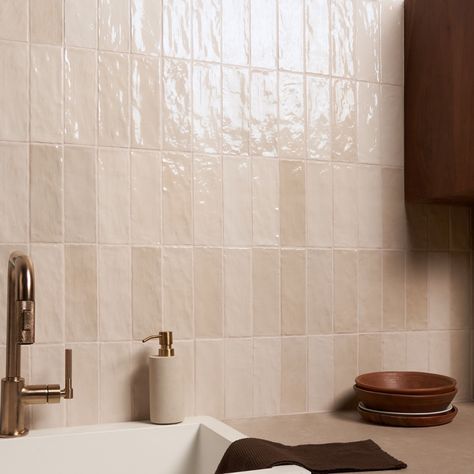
345	205
177	28
345	291
460	364
207	200
293	292
293	374
460	228
115	293
439	286
263	113
80	209
370	353
115	375
146	26
416	290
417	225
393	211
370	206
393	290
46	21
114	196
235	32
344	119
292	203
266	376
368	123
49	269
394	351
237	201
342	37
14	20
176	105
145	197
460	291
291	138
318	110
14	91
418	351
210	378
177	291
320	373
319	204
14	192
207	108
114	25
440	352
146	291
263	33
266	292
438	227
238	378
391	125
317	36
187	355
367	40
265	202
208	292
145	97
177	198
238	292
80	96
80	23
235	111
46	193
370	290
81	292
113	99
291	34
320	291
140	354
392	41
46	94
345	367
207	30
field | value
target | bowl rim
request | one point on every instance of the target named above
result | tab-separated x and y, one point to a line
448	387
405	396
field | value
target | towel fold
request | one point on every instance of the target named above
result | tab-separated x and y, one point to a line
249	454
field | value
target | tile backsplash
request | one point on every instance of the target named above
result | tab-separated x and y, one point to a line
231	170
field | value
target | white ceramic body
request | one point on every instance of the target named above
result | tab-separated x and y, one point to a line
192	447
166	390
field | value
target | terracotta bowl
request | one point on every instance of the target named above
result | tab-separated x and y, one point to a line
405	403
406	383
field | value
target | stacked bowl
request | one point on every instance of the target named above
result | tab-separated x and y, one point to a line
412	399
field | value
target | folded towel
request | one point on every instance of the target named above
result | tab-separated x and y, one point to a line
249	454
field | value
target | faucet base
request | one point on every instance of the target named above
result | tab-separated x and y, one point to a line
16	434
12	423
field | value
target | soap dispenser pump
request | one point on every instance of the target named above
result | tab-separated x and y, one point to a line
166	382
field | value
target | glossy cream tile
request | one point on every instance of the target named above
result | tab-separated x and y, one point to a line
391	125
80	96
177	19
235	32
46	193
440	352
208	292
185	351
263	33
394	351
460	291
416	290
342	37
293	374
81	292
367	39
146	26
293	292
291	34
460	362
344	118
207	17
140	354
417	225
266	292
439	290
345	291
46	21
14	20
370	353
418	351
14	192
237	292
370	290
369	194
145	197
80	197
207	200
318	117
320	373
177	198
80	23
369	147
393	211
392	41
114	25
317	31
345	368
393	290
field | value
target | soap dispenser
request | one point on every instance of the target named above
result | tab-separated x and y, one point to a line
166	382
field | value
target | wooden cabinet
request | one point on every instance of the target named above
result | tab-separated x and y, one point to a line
439	101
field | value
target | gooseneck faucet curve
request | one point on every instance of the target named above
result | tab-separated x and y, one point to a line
21	331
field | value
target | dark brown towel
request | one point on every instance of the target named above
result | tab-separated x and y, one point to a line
249	454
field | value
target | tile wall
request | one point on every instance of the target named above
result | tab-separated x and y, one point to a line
231	170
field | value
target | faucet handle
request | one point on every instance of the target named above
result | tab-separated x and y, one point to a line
68	391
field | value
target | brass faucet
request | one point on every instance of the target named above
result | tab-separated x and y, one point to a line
21	331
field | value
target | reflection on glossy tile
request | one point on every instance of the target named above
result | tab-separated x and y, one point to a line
14	192
235	111
320	373
293	375
113	99
177	28
176	105
343	36
14	20
317	36
145	113
318	105
146	26
367	18
391	125
80	23
291	139
393	290
392	41
345	206
370	206
177	199
263	33
207	30
368	123
344	121
370	290
235	32
114	25
290	34
345	291
416	290
206	108
46	21
14	91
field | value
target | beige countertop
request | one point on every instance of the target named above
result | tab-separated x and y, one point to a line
443	449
